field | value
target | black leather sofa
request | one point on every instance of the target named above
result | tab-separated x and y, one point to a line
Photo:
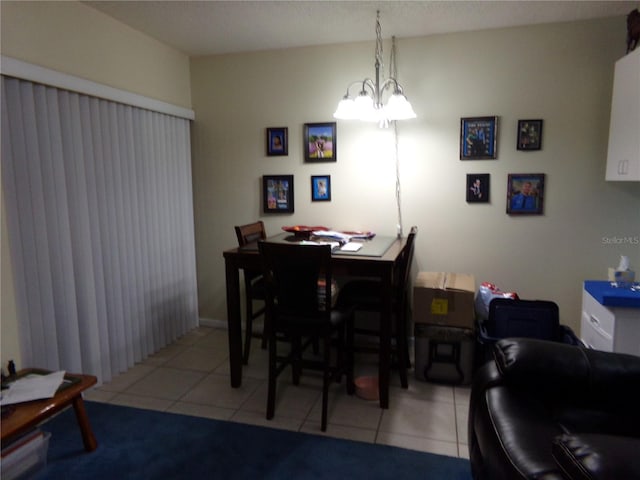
546	410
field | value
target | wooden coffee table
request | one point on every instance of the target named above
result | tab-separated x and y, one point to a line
24	416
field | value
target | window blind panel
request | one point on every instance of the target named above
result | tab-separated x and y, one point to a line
104	259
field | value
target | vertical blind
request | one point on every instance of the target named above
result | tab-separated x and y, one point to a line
98	197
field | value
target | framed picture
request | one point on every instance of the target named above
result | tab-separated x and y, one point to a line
478	187
277	141
320	142
529	135
525	193
320	188
277	193
478	138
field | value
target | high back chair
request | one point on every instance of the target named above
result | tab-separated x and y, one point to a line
365	295
253	283
299	311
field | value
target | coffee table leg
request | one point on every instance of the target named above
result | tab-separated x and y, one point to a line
89	440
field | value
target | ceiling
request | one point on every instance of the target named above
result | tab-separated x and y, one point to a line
217	27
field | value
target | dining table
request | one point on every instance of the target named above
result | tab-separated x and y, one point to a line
377	259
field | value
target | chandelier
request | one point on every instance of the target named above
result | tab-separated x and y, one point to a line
368	106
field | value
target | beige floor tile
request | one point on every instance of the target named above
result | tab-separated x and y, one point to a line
98	395
463	450
281	422
138	401
206	411
462	418
215	390
199	359
166	383
122	382
418	443
195	335
165	355
348	410
420	418
462	395
312	426
191	377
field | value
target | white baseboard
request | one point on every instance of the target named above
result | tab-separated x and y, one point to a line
213	323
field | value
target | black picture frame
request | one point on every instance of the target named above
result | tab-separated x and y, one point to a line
529	135
277	141
320	188
277	194
478	138
478	187
525	193
320	142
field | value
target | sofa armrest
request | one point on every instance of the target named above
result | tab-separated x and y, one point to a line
559	369
595	456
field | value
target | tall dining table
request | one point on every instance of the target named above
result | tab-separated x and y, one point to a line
377	258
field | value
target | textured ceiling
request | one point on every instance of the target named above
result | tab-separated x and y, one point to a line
216	27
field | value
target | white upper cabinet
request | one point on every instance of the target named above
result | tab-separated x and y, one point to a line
623	158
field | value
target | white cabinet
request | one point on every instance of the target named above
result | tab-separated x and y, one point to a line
612	329
623	156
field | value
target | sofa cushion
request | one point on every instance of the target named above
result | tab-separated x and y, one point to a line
594	456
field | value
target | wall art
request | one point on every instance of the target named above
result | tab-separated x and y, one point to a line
478	138
320	143
478	187
525	193
529	135
277	193
277	141
320	188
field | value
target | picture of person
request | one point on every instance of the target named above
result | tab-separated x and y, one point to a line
525	199
525	193
478	138
276	146
478	188
320	188
320	142
277	141
529	134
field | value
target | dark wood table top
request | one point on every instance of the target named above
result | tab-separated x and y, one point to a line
26	415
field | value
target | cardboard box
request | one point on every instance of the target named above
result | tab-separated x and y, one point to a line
445	299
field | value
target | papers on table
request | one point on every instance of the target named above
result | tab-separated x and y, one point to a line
351	247
32	387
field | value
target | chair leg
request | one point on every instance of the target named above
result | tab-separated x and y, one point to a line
296	359
326	380
351	388
271	393
248	331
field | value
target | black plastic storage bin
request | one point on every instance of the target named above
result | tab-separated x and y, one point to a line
520	318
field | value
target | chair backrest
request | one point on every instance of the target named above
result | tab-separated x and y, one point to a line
404	264
292	273
523	318
250	232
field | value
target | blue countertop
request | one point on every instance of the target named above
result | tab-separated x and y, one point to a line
611	296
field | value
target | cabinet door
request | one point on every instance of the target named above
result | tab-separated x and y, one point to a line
623	157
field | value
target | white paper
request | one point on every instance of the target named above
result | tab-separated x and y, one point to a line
624	264
32	387
351	247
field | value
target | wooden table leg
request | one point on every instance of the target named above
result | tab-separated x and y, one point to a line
384	363
88	438
234	322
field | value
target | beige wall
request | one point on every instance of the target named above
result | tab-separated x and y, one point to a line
75	39
561	73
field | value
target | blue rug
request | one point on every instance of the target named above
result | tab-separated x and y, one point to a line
144	444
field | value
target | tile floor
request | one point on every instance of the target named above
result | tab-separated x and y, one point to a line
191	376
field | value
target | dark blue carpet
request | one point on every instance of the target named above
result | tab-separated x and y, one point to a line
144	444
